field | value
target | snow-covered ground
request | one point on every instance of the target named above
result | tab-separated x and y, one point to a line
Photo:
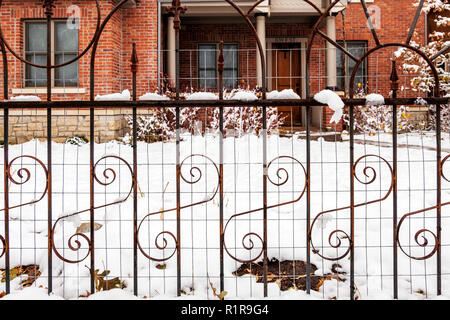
243	179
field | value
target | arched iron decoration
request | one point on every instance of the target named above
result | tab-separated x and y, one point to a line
371	174
196	175
281	181
110	177
25	175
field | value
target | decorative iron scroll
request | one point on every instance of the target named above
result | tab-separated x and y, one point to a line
282	180
25	176
196	175
73	242
370	174
423	232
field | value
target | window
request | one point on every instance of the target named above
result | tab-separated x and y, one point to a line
64	44
358	49
207	62
207	65
231	63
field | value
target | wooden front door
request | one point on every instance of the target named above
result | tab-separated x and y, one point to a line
286	74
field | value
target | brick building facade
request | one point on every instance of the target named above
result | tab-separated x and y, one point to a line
285	25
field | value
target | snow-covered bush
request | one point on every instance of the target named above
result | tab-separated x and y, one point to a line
246	119
77	140
413	64
445	117
160	123
373	117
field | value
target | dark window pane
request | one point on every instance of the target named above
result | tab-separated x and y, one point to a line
357	49
36	77
207	62
35	52
66	38
66	76
36	37
231	65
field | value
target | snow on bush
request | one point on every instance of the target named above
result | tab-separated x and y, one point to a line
375	117
160	124
374	99
333	101
202	96
423	79
242	95
125	95
154	97
285	94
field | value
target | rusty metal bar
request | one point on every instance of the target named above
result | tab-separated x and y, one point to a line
298	103
394	89
308	199
6	186
134	62
414	24
369	20
352	203
220	67
438	197
92	203
48	6
265	261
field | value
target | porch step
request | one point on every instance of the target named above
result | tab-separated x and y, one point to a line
300	131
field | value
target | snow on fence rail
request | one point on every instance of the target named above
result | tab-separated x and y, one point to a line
194	214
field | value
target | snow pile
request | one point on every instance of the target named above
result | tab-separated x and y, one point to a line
285	94
26	98
335	103
202	96
125	95
374	99
242	95
286	230
154	97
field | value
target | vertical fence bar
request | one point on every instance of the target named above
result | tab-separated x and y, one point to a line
265	262
177	119
220	68
176	10
438	197
394	88
48	5
352	204
6	160
6	186
308	200
134	61
91	166
177	116
308	185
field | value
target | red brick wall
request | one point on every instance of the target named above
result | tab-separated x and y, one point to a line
112	66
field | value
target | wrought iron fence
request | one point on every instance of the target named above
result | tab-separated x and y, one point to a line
223	182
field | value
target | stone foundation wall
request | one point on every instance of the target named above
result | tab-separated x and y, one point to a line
25	125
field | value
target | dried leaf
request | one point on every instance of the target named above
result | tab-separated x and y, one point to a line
86	227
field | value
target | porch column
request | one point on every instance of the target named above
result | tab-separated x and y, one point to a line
171	60
261	31
331	80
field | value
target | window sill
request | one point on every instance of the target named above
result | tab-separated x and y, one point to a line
44	90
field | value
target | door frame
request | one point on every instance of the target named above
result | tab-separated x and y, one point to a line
303	44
